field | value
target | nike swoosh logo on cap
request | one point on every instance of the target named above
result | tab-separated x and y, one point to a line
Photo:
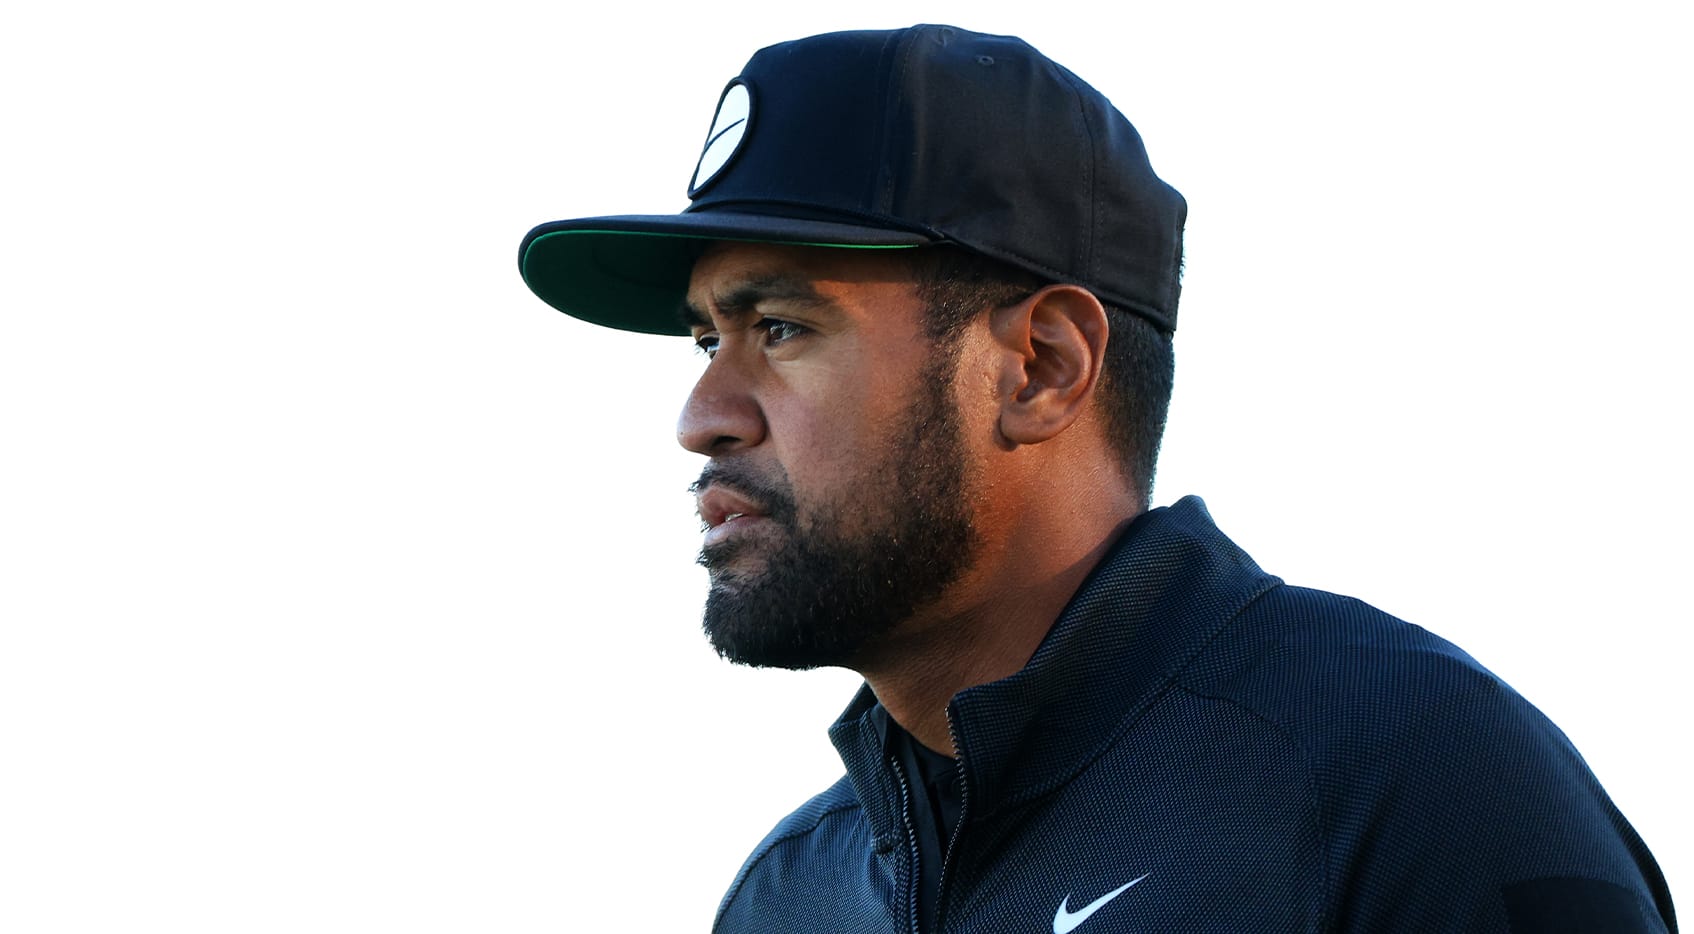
721	132
1065	920
723	140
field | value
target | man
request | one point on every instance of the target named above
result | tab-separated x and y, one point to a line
936	278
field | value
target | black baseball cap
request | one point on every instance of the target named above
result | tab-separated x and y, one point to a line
889	140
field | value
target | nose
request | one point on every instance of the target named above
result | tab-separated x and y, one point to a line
720	415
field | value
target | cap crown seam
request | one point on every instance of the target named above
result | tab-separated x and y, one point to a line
1091	183
895	76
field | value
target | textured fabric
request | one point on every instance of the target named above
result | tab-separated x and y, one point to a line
1251	756
934	805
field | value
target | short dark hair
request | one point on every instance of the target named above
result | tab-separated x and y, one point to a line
957	285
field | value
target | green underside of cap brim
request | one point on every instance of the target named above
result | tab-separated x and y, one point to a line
630	280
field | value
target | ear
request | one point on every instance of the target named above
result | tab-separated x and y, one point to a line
1052	345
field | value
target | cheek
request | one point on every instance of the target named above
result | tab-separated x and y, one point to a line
833	426
819	438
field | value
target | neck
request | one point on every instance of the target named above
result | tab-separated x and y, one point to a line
963	641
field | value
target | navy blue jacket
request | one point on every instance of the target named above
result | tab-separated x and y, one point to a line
1253	757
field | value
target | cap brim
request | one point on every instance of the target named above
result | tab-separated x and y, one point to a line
631	272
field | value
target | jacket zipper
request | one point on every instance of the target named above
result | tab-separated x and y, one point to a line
912	847
958	828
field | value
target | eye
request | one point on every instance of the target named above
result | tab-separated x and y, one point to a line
777	330
707	344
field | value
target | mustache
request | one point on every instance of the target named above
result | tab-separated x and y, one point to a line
771	492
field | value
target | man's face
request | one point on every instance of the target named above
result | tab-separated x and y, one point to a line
835	498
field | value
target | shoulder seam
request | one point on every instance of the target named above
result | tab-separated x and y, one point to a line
764	849
1314	800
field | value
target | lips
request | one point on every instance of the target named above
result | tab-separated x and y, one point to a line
723	511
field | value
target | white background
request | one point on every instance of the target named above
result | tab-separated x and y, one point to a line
347	587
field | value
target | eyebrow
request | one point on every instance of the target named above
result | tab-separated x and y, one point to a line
743	300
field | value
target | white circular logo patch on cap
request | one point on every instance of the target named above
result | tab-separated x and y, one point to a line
729	128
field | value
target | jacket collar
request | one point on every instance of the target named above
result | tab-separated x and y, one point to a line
1166	587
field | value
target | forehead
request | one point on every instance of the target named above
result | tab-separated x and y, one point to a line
839	276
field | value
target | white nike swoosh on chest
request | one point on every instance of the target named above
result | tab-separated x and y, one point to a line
1065	920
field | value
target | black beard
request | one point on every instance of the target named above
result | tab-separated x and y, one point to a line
826	597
